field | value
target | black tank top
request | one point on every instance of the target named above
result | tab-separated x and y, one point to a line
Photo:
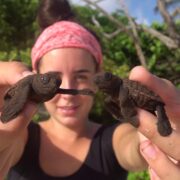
100	163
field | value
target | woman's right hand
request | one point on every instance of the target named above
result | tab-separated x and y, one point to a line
13	134
10	73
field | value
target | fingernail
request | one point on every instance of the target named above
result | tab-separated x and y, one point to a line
148	150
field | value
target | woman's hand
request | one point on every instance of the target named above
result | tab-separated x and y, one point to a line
13	134
161	153
10	73
171	97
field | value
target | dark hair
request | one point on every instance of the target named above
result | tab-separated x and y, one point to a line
51	11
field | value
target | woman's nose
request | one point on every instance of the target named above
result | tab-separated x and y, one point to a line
67	84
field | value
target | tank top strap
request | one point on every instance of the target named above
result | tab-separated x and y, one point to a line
30	157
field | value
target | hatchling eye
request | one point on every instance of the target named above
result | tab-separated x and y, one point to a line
108	76
45	79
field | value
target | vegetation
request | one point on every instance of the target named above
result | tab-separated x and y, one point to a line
19	30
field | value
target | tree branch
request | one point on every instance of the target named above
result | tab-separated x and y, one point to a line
171	28
175	12
166	40
110	17
107	35
170	43
134	36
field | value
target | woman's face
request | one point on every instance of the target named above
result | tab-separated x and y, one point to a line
76	68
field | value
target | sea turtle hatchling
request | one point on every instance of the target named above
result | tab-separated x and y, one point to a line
37	88
124	95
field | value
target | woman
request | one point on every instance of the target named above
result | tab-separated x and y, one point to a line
68	145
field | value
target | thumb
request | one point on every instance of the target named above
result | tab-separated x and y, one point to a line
161	164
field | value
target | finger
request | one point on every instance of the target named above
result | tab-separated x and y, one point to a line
148	127
159	162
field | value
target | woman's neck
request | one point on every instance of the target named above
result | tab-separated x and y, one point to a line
70	134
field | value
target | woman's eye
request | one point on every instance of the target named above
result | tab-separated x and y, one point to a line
82	77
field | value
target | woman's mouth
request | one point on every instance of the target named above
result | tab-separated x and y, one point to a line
68	110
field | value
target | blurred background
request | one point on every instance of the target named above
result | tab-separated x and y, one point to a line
131	32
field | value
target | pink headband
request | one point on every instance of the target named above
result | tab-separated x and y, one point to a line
65	34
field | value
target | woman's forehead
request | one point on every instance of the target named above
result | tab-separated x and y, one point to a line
73	59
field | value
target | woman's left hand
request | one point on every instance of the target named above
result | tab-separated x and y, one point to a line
171	97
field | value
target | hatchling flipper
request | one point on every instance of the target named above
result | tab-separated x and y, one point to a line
163	123
37	88
128	108
129	95
15	101
113	108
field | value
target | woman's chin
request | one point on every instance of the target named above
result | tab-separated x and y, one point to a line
70	121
